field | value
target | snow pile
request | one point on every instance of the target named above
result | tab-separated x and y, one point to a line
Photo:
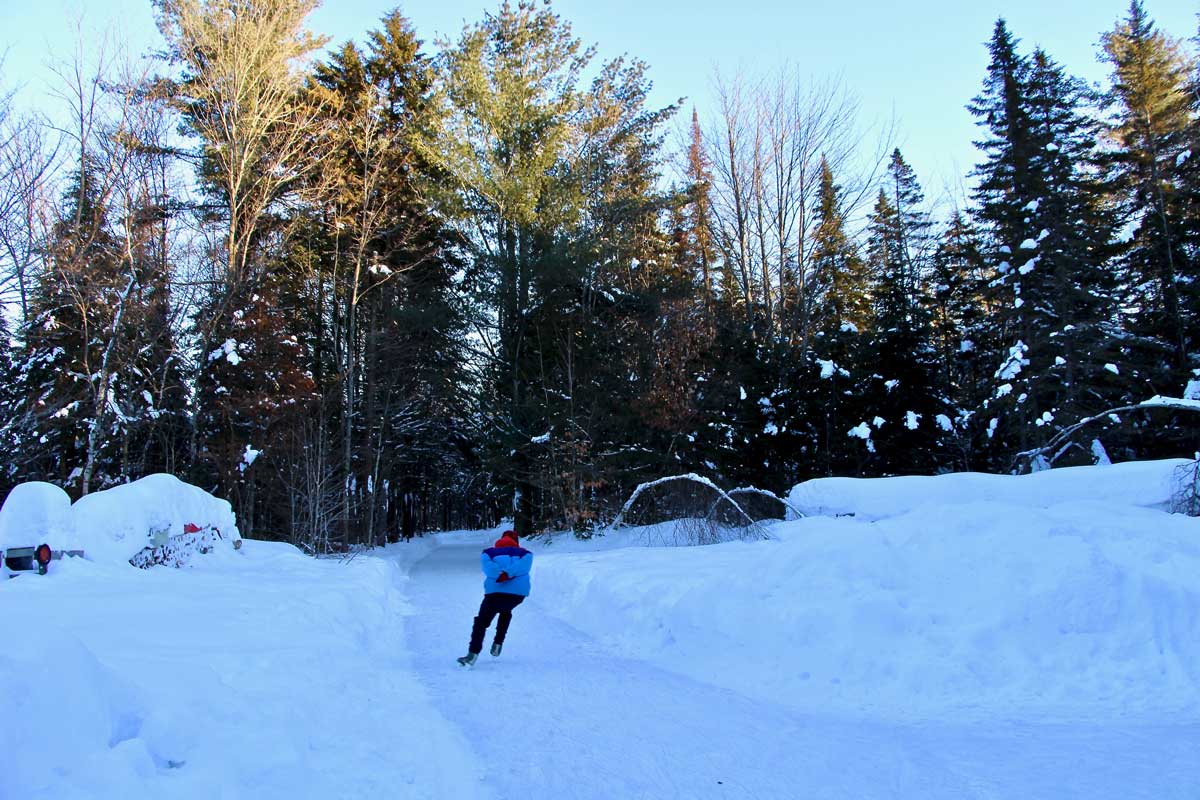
1016	597
1137	483
34	513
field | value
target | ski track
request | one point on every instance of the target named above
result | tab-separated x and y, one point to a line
556	716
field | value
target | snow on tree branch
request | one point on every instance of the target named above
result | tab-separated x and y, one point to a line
1024	458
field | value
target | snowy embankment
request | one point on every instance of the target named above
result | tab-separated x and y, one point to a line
251	673
1060	595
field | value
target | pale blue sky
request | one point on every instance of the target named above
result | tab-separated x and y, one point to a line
923	59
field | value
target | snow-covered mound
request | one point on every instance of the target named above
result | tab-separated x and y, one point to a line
33	513
1008	604
117	523
1137	483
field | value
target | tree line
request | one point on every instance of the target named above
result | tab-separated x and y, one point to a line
384	288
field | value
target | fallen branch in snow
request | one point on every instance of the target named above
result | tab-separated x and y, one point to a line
1026	457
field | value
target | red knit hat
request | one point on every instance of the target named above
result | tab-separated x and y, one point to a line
508	539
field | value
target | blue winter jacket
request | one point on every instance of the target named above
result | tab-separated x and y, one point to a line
516	561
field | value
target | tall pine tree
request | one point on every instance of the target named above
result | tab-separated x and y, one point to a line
1151	126
902	386
1050	237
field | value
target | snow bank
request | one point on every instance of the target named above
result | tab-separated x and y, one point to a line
68	718
266	675
34	513
949	604
1137	483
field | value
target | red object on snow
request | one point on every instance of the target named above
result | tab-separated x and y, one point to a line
189	527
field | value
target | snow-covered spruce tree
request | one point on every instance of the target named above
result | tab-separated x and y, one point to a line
9	408
71	309
1050	240
901	360
253	390
843	316
99	380
961	329
1156	186
92	339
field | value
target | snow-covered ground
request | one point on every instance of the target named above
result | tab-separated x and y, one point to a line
256	674
1059	595
957	637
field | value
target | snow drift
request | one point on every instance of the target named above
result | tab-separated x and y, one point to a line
988	596
1135	483
265	674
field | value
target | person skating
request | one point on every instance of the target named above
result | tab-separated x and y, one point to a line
506	567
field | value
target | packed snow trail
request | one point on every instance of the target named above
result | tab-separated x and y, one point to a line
556	716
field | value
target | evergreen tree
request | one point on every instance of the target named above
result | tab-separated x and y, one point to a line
554	185
1050	236
253	391
153	388
841	320
1152	128
71	310
699	222
962	333
389	263
9	409
902	385
841	279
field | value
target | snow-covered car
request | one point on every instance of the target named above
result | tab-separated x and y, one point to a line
157	520
34	528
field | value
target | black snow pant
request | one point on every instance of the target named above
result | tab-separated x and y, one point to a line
495	603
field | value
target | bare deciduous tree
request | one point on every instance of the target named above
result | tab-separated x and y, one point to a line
766	147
